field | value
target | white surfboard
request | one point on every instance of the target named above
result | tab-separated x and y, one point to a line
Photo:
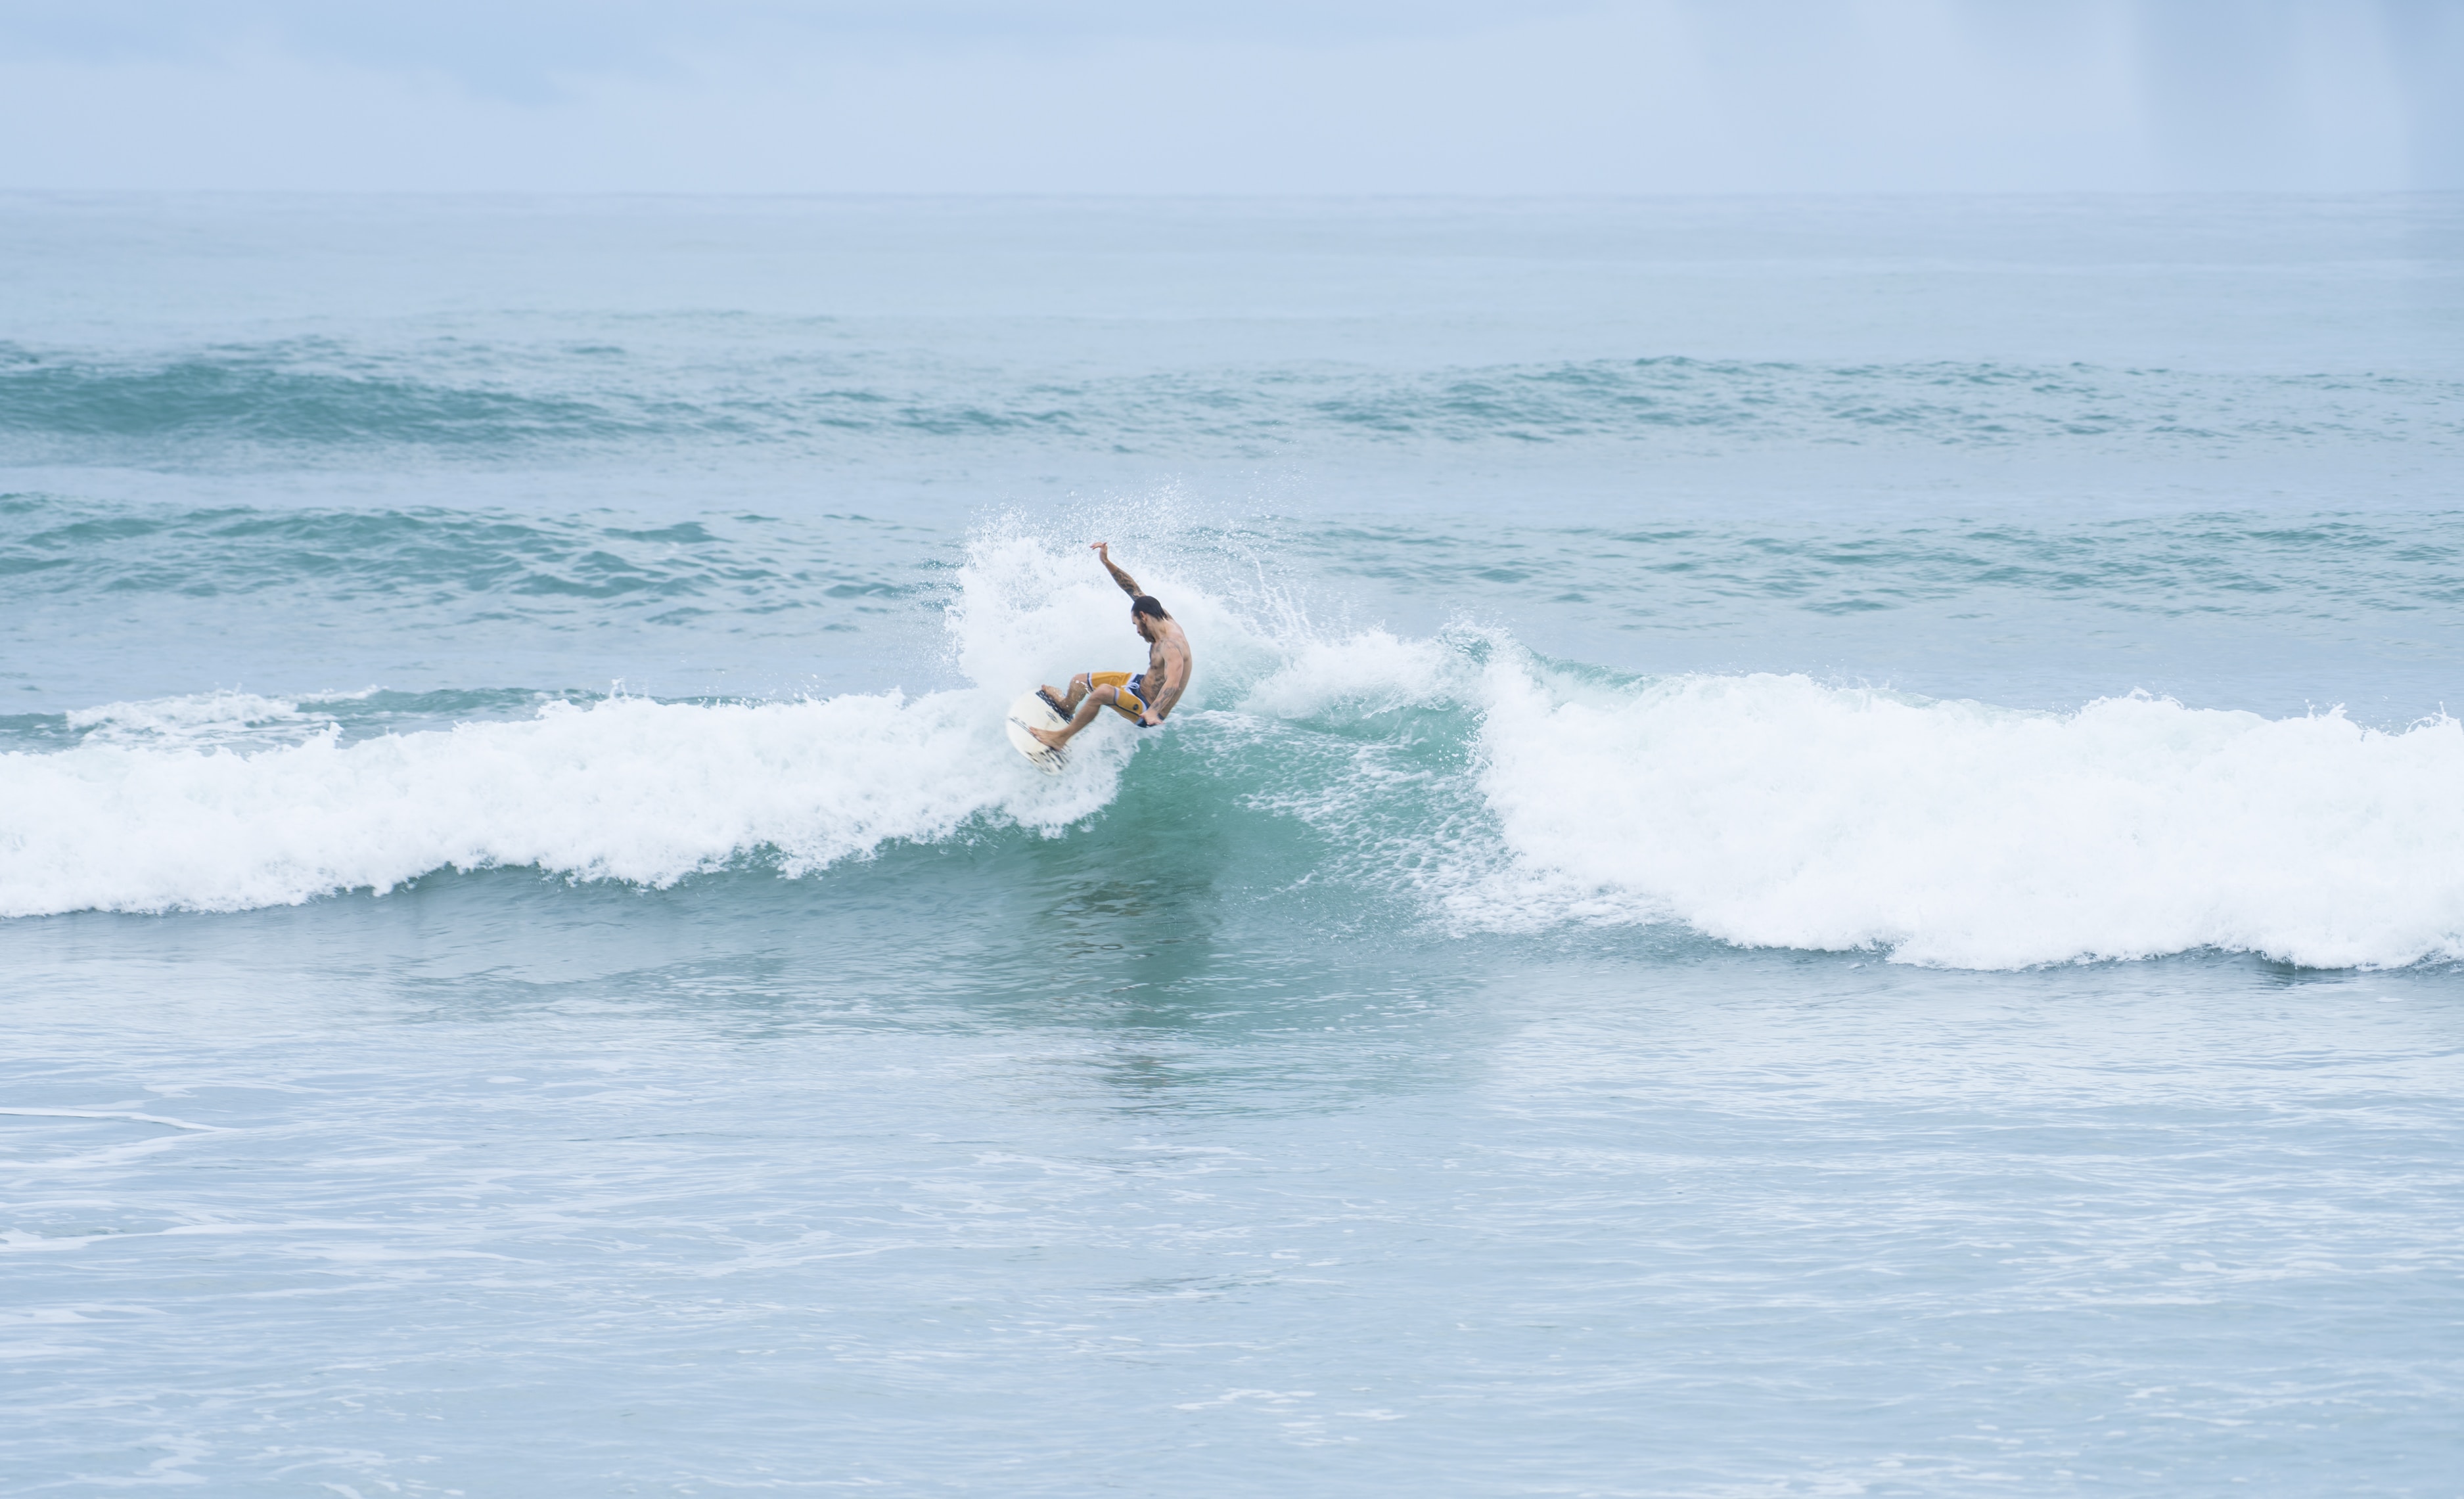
1031	712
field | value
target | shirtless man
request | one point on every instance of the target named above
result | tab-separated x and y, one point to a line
1143	699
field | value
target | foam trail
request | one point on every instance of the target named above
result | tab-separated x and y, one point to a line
1772	811
624	789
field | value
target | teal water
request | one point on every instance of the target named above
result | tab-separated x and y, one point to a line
1814	852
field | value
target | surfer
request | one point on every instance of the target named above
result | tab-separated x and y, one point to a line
1144	699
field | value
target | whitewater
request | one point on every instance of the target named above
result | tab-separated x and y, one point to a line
1763	810
1815	849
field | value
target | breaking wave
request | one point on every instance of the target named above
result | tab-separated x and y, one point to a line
1470	783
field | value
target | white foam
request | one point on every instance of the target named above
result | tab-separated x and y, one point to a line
1760	810
623	788
201	718
1776	811
224	801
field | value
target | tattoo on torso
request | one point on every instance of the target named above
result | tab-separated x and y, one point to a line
1161	679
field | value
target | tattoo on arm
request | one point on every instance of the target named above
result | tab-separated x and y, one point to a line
1129	584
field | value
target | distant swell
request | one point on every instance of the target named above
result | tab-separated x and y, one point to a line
253	397
306	398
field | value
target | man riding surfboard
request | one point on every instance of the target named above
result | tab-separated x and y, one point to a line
1144	699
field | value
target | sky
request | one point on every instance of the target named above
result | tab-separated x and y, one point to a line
1472	97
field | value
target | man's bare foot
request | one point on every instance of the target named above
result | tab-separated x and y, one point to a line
1049	738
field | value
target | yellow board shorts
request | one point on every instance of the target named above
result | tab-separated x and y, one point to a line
1131	703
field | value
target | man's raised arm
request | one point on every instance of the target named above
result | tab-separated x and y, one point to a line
1129	584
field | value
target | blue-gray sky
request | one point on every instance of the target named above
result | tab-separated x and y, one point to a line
1262	95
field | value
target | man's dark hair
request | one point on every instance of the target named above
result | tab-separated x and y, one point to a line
1149	605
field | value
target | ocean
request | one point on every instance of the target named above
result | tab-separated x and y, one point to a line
1818	848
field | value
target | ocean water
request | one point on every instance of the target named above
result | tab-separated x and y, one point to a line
1817	848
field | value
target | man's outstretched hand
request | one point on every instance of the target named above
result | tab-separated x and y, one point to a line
1103	551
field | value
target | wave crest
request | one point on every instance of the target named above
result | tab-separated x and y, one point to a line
1459	778
623	788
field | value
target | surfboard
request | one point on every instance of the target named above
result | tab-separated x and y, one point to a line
1032	712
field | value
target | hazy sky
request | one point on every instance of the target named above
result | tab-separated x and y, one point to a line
1259	96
